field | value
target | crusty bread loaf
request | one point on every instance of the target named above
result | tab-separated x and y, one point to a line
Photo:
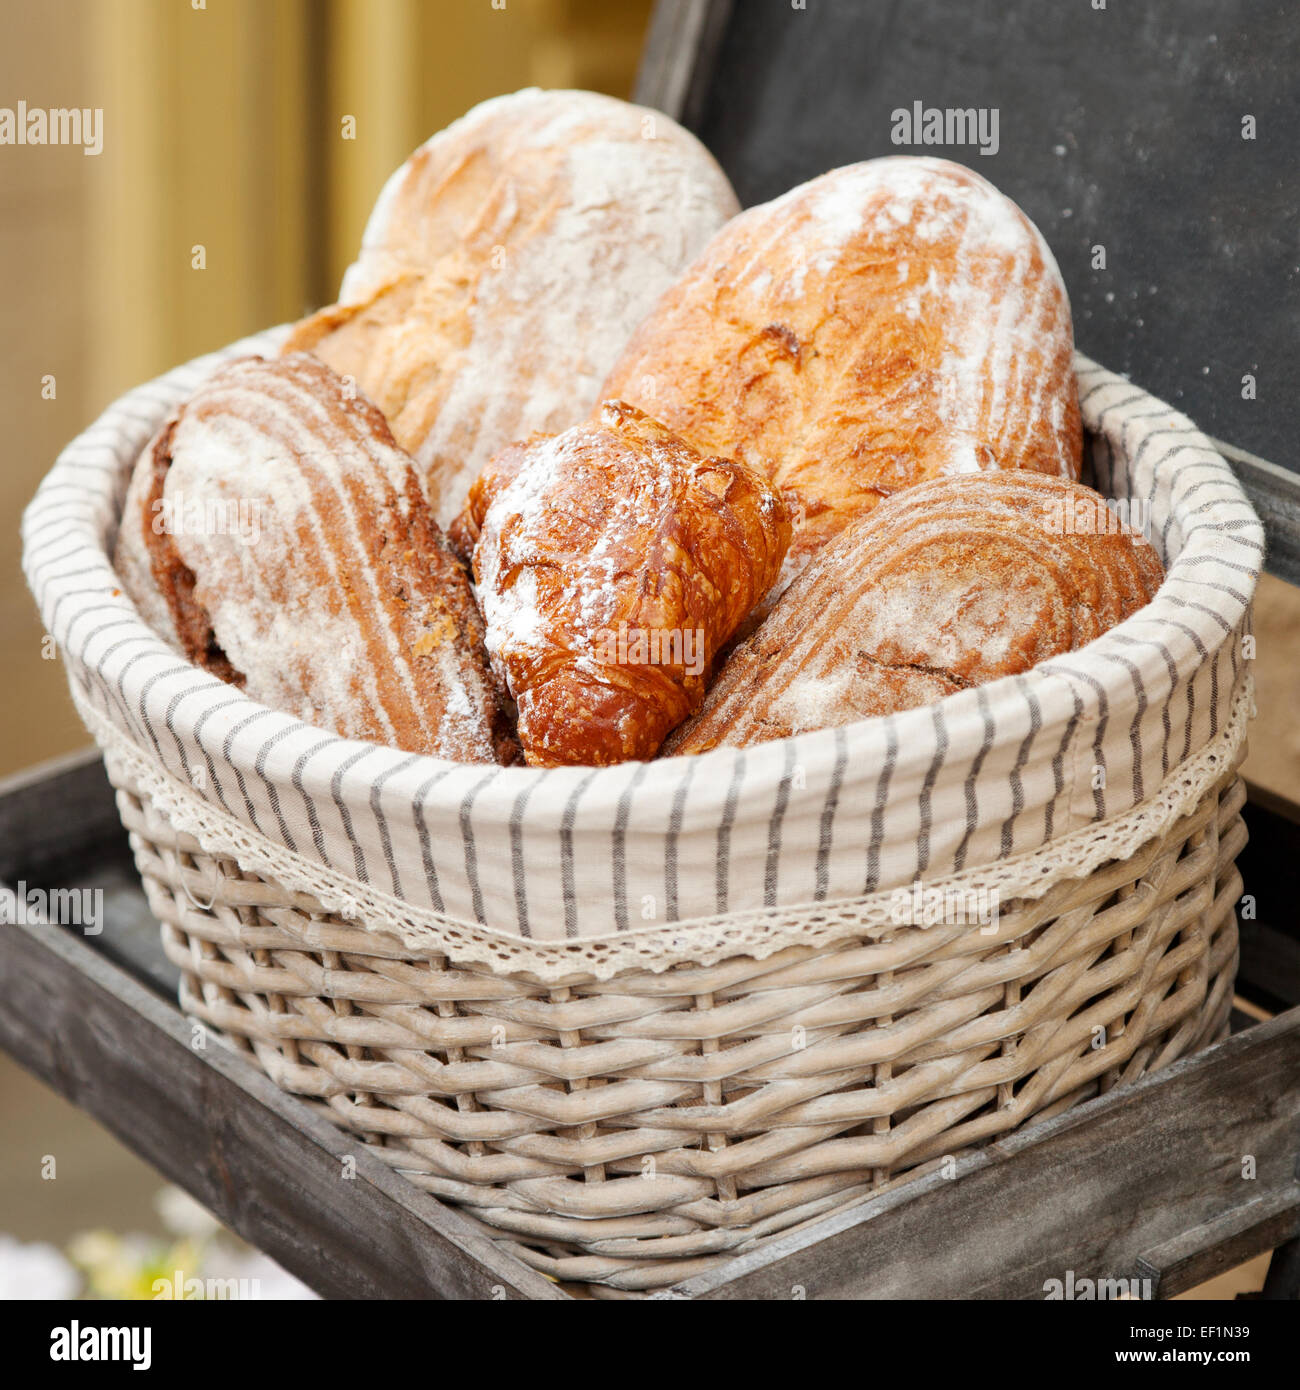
276	535
953	583
887	322
612	564
504	266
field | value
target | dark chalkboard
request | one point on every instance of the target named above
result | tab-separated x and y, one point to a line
1120	127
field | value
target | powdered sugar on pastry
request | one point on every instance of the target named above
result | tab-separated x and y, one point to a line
612	564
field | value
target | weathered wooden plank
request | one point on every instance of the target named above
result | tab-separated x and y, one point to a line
1274	804
1089	1191
130	937
1271	1219
680	49
55	813
1270	925
59	828
260	1160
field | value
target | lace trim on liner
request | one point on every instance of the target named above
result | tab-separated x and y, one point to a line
702	941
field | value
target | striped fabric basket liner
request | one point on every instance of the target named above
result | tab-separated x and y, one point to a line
636	1019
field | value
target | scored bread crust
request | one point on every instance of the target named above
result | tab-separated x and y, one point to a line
887	322
613	562
505	264
955	582
277	536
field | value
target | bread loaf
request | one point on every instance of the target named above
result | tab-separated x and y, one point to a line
887	322
504	266
275	534
612	564
955	582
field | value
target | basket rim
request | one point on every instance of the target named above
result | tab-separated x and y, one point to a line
757	933
552	854
1101	664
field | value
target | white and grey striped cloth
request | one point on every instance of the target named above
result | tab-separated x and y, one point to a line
981	776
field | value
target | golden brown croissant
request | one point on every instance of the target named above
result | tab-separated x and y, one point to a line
954	582
505	264
612	563
888	322
276	535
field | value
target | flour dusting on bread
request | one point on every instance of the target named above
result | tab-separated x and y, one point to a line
345	608
887	322
504	266
955	582
819	427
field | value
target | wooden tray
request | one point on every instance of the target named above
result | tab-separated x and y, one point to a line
1142	1183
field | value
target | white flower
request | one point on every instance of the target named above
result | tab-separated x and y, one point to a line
183	1216
35	1271
256	1272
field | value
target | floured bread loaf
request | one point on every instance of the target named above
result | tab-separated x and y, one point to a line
612	564
888	322
275	534
504	266
951	584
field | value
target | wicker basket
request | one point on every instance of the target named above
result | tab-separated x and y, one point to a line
626	1105
636	1131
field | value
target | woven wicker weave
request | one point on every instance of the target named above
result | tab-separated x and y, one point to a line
634	1132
